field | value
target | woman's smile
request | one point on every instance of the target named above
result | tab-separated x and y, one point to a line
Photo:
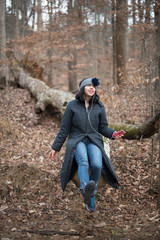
89	90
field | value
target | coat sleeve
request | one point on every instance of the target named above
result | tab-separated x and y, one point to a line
64	129
103	125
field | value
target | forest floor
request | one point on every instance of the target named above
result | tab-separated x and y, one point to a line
32	205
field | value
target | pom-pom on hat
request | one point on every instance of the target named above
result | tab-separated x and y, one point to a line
90	81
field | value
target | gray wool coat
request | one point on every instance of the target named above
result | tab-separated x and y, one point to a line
76	125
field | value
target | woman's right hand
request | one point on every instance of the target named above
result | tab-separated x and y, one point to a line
52	154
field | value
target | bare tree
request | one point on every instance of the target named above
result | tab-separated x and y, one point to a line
157	23
17	20
133	39
114	42
157	83
24	17
121	21
39	16
33	15
74	14
50	49
3	68
148	11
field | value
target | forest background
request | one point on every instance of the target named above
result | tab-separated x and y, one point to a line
60	43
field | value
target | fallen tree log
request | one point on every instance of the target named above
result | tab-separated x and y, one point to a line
143	130
44	95
57	99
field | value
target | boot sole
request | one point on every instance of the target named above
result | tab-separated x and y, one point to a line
89	189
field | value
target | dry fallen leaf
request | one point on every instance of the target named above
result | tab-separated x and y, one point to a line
101	224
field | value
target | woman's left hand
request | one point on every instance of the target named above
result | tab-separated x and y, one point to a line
118	134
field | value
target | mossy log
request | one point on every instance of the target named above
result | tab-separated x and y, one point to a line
143	130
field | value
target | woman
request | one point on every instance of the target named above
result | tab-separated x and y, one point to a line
84	121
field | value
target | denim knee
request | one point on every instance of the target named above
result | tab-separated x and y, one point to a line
96	166
83	163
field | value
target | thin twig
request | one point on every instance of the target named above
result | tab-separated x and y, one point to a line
51	232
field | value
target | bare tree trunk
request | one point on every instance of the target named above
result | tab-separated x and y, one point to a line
24	18
134	11
114	42
2	27
50	49
157	83
73	13
98	37
33	15
133	39
121	16
72	75
157	24
3	66
143	37
39	16
17	20
148	9
140	11
158	199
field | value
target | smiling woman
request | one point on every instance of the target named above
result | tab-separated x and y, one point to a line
85	122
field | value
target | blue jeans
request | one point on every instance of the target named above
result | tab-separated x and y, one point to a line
87	152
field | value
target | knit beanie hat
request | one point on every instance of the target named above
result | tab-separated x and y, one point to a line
90	81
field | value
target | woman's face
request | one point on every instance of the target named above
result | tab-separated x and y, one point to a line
89	90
